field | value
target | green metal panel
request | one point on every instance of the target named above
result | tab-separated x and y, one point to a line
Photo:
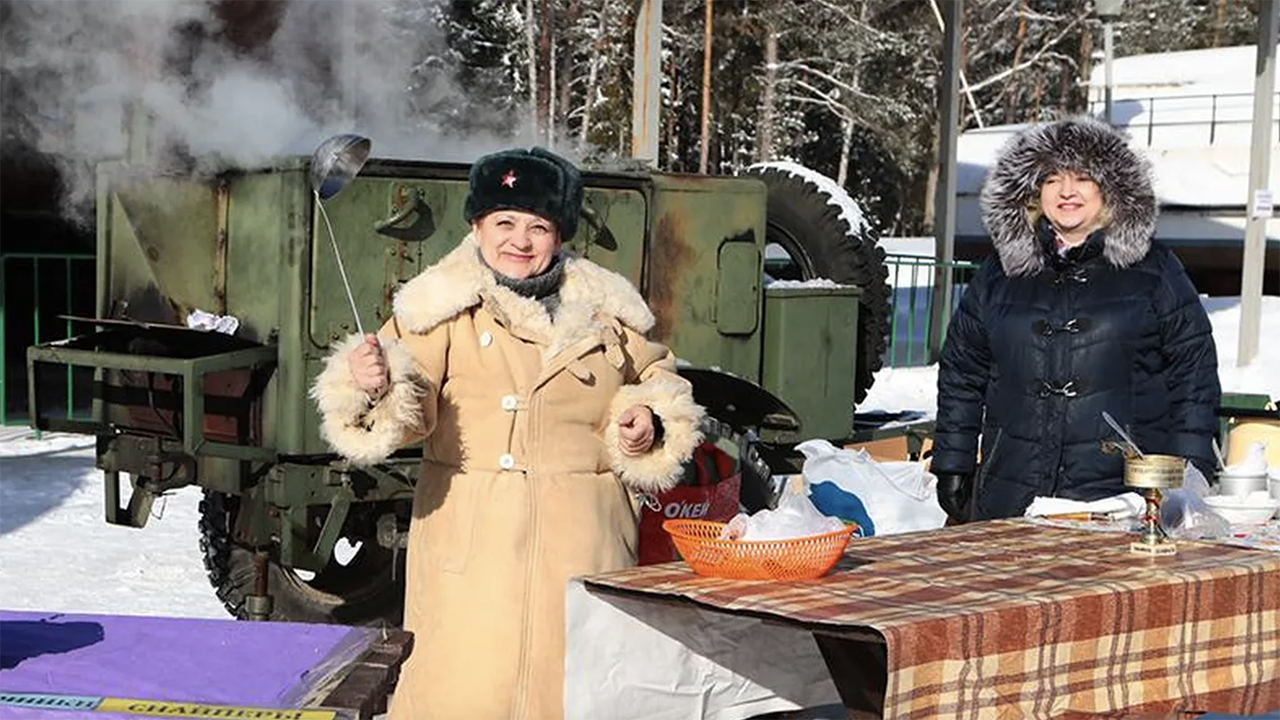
618	242
266	289
692	217
162	247
738	288
811	355
289	417
376	264
257	268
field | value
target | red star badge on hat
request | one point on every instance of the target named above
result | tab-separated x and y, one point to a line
509	180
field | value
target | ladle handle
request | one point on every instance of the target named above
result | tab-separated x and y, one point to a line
1124	435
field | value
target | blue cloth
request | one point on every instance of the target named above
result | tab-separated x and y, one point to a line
835	502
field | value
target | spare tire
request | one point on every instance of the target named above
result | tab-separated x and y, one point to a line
824	235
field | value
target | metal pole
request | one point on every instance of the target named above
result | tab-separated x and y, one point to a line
1108	35
706	89
70	311
944	215
1255	233
4	347
645	102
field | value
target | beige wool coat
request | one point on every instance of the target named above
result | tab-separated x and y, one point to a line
523	483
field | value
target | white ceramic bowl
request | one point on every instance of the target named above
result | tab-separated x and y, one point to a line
1247	510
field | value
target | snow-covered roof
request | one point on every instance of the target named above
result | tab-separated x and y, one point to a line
1190	113
1215	70
1195	175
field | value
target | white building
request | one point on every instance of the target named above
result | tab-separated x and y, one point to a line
1191	114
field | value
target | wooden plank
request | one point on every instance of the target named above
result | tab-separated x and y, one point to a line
371	679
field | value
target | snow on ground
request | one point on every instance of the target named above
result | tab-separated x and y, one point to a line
58	553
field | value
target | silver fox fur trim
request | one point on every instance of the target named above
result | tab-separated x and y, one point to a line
1082	145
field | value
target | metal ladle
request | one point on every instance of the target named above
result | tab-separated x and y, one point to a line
334	164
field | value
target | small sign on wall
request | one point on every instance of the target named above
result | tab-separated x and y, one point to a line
1262	204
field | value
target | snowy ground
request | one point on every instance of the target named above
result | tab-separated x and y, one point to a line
58	553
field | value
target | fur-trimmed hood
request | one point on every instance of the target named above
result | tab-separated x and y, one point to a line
1083	145
592	299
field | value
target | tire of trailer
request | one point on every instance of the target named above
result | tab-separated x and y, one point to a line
804	218
367	595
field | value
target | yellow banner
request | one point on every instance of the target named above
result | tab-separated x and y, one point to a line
160	708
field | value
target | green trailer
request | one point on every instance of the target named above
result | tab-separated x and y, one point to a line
289	530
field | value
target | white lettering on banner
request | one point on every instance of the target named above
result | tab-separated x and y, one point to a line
686	510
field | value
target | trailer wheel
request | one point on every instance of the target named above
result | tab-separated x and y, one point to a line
804	220
358	592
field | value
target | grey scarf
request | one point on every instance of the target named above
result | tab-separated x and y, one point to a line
543	287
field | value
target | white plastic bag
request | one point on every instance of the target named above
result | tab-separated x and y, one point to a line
794	517
1185	515
898	496
1253	463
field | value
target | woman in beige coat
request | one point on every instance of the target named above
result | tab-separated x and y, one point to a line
544	411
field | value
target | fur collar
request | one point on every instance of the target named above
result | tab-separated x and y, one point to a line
1080	144
592	300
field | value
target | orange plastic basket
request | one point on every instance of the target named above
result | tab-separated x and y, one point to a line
803	558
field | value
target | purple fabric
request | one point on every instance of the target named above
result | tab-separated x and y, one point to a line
265	664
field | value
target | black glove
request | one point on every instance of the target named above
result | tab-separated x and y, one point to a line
954	491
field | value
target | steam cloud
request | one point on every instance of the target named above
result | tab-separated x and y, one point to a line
378	67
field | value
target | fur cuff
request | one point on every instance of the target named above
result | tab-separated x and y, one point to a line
367	435
661	467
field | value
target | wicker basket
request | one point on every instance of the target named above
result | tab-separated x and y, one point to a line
803	558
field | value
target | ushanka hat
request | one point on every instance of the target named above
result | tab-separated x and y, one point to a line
535	180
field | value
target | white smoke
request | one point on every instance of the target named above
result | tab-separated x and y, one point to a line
75	69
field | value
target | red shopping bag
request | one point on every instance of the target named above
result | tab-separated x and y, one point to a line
717	482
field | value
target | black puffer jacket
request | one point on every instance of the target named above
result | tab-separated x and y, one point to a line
1042	344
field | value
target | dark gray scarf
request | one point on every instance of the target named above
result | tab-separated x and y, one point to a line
543	287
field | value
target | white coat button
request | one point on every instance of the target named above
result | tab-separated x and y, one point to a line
509	402
486	339
506	462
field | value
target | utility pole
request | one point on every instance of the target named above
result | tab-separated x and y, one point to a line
1108	11
647	69
1259	203
1108	35
944	214
706	88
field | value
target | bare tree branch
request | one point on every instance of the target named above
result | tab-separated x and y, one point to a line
1035	58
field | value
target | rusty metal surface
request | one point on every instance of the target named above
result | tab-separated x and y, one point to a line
222	210
692	218
670	258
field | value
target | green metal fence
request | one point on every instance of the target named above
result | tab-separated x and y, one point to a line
911	319
37	292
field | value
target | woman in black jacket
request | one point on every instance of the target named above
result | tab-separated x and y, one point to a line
1077	313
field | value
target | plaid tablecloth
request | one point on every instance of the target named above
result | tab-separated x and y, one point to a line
1012	619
